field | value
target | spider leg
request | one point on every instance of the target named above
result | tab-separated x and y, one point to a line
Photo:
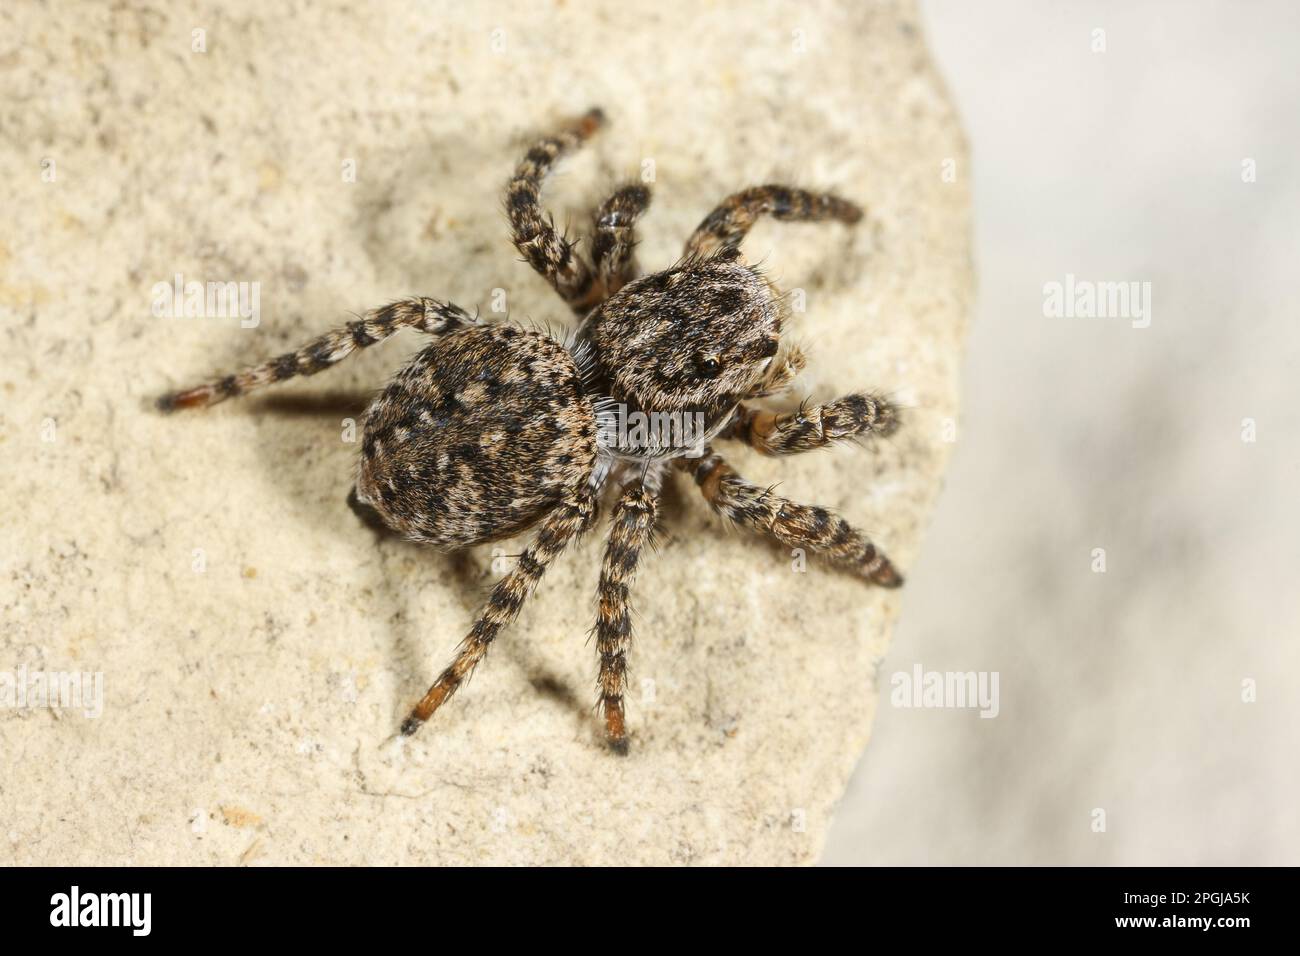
613	237
795	525
727	225
781	374
533	231
631	529
809	428
427	315
557	529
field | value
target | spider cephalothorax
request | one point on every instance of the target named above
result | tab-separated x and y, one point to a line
493	429
694	336
691	341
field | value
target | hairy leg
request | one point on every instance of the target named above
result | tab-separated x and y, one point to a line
809	428
631	529
795	525
533	230
781	374
613	237
727	225
427	315
557	529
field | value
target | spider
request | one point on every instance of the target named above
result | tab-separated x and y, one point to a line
493	430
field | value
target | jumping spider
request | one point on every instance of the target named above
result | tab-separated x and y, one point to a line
494	429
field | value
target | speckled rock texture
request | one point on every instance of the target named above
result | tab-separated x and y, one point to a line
258	644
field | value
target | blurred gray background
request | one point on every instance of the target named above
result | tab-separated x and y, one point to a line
1120	690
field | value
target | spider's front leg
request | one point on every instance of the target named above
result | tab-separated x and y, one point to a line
553	255
631	529
427	315
613	237
790	433
728	224
557	529
794	525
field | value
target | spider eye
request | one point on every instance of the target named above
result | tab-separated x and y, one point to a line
709	366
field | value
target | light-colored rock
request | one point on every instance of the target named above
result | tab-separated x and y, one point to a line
258	645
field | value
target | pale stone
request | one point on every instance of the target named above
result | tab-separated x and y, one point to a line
259	645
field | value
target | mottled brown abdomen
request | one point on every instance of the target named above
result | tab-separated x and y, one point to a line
478	437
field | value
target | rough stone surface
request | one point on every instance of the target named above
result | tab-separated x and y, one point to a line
258	644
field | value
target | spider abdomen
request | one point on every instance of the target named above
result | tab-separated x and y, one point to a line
477	438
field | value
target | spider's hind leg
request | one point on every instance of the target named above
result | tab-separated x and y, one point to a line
794	525
427	315
728	224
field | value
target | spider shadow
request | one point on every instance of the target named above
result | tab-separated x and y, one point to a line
331	404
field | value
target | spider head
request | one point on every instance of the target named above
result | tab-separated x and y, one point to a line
697	337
